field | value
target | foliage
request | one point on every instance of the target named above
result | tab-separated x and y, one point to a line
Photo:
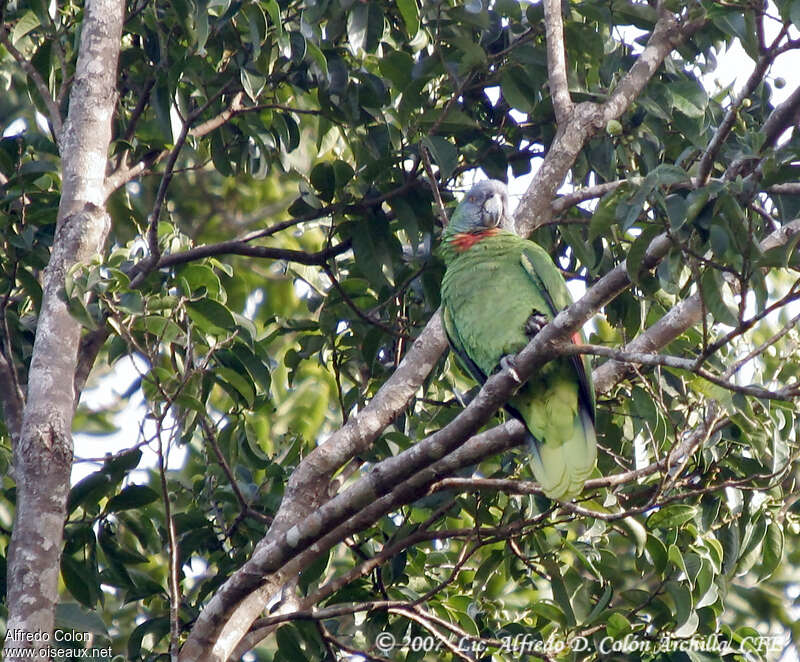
304	127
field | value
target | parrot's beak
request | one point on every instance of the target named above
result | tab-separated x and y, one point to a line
493	211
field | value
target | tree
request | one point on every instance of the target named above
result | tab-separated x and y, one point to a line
335	497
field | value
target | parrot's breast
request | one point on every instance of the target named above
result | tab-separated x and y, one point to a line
490	297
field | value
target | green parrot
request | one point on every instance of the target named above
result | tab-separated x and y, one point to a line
498	291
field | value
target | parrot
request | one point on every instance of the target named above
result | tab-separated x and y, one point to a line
497	292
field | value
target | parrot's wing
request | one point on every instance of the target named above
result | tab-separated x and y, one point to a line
549	282
458	347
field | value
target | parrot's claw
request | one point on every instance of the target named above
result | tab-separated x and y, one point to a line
507	363
535	323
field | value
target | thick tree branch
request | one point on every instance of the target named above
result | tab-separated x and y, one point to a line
557	62
43	453
785	115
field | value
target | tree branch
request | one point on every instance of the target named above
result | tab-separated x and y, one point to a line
723	131
586	118
581	194
242	247
42	455
557	62
11	396
690	365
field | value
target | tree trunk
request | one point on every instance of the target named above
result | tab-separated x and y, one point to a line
43	451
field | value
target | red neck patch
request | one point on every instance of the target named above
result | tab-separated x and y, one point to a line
463	241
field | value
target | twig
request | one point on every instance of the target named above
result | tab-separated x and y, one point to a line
244	506
689	365
172	541
237	108
723	130
241	247
437	196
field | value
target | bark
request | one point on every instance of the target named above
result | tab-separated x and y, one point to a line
43	452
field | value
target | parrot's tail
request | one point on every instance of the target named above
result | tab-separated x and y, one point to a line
561	469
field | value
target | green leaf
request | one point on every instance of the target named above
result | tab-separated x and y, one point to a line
453	122
657	552
323	179
157	627
123	463
235	383
289	643
397	67
711	288
633	262
91	488
365	26
133	496
600	605
688	97
518	89
636	531
617	626
372	250
782	256
254	365
549	612
444	153
202	280
317	57
410	13
682	599
274	12
210	316
252	83
70	615
313	571
671	517
667	175
772	551
201	27
729	537
604	215
81	580
25	25
162	328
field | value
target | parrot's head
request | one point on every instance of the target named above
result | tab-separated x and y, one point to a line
484	207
